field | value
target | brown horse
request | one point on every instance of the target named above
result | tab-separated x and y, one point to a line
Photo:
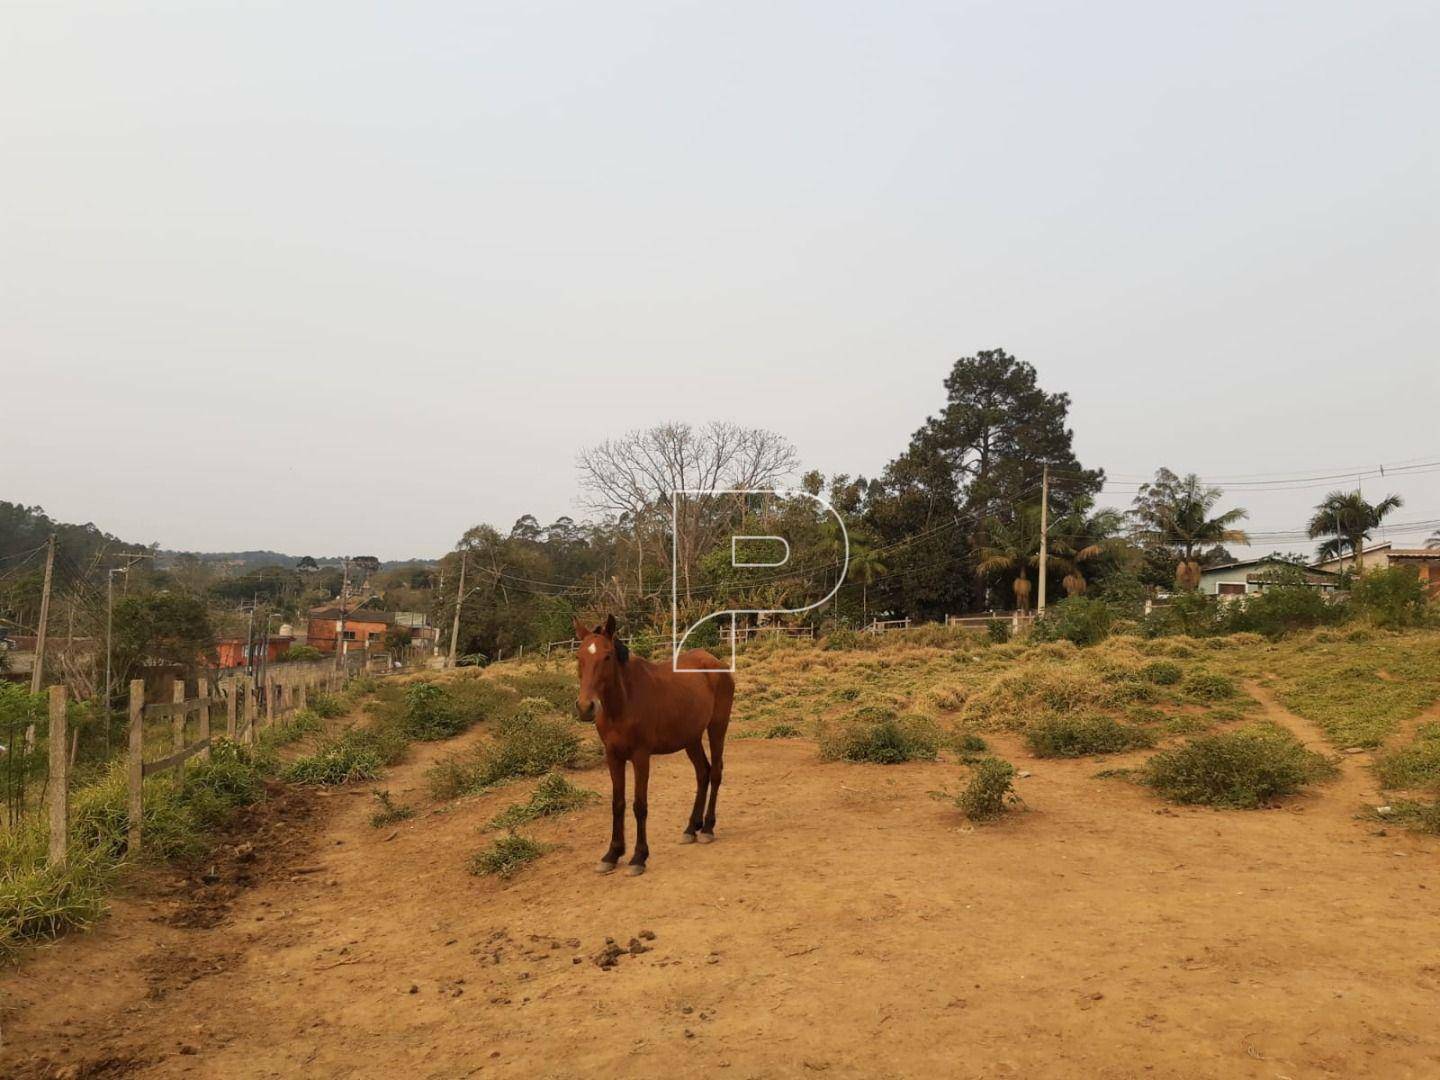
641	709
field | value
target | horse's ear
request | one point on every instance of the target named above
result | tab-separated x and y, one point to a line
622	653
579	627
609	630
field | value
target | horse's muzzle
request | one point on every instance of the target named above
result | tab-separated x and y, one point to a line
585	710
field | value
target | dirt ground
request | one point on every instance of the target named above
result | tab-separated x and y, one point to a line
845	923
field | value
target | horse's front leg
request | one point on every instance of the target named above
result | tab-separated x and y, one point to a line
617	813
642	811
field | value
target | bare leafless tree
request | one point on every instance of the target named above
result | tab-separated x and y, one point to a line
634	475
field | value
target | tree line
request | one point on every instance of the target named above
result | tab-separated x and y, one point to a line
951	525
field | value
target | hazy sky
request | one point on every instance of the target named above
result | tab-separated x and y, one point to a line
337	277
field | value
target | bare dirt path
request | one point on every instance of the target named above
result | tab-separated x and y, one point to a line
845	923
1355	787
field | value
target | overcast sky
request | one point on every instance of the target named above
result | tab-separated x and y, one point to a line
336	277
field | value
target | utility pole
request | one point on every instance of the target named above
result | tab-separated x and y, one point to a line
109	626
455	623
1044	535
340	633
250	637
37	674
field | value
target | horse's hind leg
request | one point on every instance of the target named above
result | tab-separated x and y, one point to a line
717	771
696	753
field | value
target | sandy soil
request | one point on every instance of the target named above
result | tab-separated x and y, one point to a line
845	923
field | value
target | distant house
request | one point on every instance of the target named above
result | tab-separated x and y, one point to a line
230	652
1424	561
1257	575
362	627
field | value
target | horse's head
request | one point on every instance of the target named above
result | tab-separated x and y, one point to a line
599	657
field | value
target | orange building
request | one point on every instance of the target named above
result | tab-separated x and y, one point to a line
230	653
362	627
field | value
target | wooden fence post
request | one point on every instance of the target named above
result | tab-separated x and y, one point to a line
232	705
301	698
203	690
137	761
59	778
270	703
249	735
177	717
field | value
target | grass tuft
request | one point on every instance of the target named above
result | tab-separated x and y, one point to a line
339	761
1076	735
530	743
507	855
1411	767
553	795
870	735
388	811
1162	672
1209	686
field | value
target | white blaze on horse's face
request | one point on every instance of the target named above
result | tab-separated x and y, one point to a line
591	650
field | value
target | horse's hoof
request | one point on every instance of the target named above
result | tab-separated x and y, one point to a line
635	869
605	867
687	838
705	838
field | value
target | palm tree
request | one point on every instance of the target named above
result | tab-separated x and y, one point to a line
1080	537
866	568
1347	519
1434	540
1014	545
1177	512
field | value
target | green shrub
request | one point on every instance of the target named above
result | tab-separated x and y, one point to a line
233	777
1162	672
1075	735
556	688
553	795
1209	686
1077	619
1281	609
991	790
284	732
325	705
1192	614
879	737
430	714
970	743
507	855
1391	598
998	631
1242	769
301	652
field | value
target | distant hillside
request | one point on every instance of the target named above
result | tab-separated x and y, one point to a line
24	529
245	561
